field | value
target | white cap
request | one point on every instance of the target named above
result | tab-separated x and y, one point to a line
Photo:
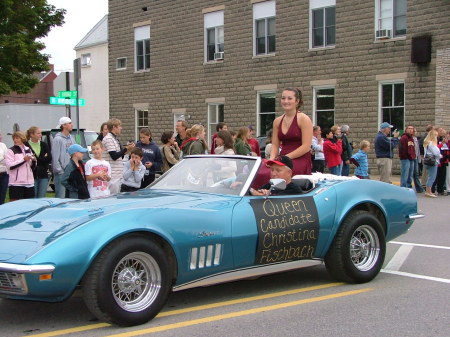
64	120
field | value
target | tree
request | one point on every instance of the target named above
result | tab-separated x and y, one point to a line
22	23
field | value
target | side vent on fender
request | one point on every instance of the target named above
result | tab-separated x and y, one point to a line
205	256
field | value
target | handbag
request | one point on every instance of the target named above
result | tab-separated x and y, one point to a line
427	160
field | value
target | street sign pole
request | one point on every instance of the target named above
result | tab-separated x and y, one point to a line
77	76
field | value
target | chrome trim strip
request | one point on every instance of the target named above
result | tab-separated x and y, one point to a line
209	256
201	257
416	216
217	254
22	268
193	264
247	273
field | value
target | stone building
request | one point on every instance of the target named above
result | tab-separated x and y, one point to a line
356	62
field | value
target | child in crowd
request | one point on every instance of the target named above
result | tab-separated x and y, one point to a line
361	161
98	172
74	177
133	171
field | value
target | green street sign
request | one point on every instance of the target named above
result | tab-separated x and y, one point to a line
70	94
64	101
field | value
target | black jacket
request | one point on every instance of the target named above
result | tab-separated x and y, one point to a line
43	161
75	181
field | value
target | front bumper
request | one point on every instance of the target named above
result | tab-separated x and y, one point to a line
12	277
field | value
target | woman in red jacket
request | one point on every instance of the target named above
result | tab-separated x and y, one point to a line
332	149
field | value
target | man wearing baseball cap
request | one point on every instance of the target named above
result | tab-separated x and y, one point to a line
280	168
384	150
60	158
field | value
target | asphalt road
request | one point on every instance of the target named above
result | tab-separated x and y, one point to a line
410	297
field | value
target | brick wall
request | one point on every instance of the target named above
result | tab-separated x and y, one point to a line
179	79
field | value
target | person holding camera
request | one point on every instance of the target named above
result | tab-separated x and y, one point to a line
384	150
114	153
20	163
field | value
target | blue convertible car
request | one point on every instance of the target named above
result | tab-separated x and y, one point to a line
195	226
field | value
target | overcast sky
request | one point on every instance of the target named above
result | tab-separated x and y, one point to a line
80	18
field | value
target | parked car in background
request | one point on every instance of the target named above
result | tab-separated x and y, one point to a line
188	229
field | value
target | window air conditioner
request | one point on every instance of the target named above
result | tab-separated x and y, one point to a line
219	56
383	34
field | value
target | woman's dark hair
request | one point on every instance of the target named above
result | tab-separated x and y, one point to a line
101	127
165	137
269	137
298	95
227	139
325	132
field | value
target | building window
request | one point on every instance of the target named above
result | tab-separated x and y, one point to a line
324	107
142	47
85	60
214	36
391	18
323	23
121	63
141	120
266	112
215	115
264	27
392	97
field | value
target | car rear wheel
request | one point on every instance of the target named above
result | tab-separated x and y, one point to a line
358	250
129	282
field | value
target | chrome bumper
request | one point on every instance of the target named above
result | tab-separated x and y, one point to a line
416	216
23	268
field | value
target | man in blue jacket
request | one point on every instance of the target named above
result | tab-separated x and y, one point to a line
384	151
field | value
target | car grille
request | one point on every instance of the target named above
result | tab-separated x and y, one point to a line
11	283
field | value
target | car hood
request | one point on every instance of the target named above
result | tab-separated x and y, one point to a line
27	225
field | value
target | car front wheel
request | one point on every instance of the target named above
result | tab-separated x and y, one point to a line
129	282
358	250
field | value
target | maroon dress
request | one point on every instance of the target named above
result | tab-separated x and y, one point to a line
291	141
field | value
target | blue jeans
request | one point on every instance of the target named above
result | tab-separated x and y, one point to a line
416	179
345	169
4	181
60	190
40	187
432	172
406	172
336	170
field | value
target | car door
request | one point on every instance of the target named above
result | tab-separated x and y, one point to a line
281	228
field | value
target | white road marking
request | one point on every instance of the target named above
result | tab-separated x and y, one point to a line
429	278
400	256
418	245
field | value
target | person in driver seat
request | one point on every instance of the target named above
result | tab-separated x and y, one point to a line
280	168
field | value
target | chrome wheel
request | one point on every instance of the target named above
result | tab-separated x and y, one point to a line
364	248
136	281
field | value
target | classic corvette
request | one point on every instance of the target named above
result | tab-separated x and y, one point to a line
197	225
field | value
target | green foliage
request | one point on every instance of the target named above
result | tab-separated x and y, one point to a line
22	23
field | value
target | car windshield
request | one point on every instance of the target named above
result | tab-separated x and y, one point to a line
230	175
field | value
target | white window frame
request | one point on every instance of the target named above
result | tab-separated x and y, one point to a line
380	101
138	119
213	108
86	60
390	18
142	35
117	63
314	115
258	110
263	11
214	20
320	4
